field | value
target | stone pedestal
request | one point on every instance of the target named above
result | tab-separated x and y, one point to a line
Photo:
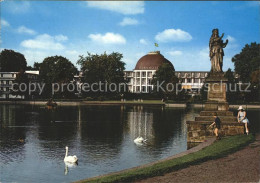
217	85
199	129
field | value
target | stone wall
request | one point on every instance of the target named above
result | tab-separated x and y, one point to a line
198	131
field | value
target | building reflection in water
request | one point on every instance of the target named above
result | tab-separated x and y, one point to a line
140	123
12	134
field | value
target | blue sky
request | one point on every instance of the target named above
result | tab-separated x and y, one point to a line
39	29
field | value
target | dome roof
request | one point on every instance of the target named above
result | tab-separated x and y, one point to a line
151	61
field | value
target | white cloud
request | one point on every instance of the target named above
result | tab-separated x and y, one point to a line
43	42
175	35
204	53
23	29
61	37
175	53
231	39
128	21
143	41
4	23
197	59
125	7
108	38
72	52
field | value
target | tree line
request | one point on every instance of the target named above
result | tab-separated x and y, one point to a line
109	68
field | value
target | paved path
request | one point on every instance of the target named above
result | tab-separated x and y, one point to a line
241	166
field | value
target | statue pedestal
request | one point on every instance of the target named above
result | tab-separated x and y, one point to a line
199	129
217	85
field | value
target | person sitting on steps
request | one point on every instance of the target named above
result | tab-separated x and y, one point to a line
217	124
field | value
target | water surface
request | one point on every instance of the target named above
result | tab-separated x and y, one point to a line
33	139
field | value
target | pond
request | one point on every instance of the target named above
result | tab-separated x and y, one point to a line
33	139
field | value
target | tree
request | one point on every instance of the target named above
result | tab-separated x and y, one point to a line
104	68
11	61
230	76
232	87
247	61
165	77
36	66
255	86
56	69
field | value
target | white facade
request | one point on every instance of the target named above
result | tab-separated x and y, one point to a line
140	81
192	80
6	81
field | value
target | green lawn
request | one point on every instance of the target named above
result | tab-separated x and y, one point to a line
217	149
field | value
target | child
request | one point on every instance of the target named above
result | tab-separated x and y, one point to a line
217	124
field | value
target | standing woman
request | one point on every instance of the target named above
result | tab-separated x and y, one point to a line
241	117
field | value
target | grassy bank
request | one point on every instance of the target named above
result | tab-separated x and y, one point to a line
217	149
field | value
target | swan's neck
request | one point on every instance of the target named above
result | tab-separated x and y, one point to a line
66	154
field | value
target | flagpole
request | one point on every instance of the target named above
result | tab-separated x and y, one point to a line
156	45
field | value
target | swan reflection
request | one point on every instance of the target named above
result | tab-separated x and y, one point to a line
69	166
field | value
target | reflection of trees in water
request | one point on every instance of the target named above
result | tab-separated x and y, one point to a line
95	130
168	126
63	127
102	131
57	129
12	134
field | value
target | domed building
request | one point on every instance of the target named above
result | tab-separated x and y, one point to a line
151	61
140	79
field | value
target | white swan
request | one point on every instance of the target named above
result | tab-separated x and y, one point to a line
70	159
140	140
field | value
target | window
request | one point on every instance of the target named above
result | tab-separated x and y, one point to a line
149	81
143	81
143	74
149	74
188	80
197	81
138	74
138	81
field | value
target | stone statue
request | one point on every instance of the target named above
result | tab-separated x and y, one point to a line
216	51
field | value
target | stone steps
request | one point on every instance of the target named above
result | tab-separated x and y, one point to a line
211	118
219	113
210	122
